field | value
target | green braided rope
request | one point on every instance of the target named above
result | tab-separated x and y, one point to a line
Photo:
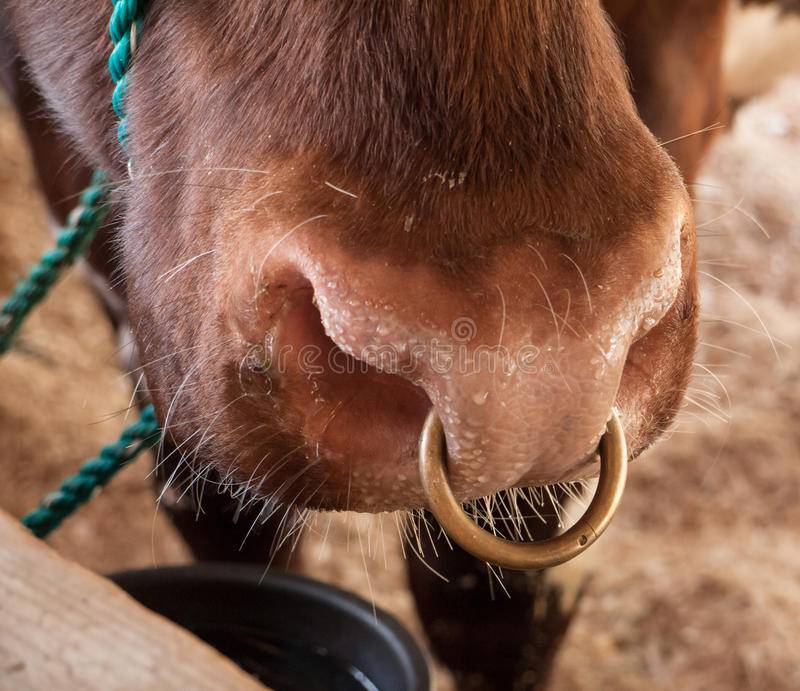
79	488
73	239
70	243
86	218
126	19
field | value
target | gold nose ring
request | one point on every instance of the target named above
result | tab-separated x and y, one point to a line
522	555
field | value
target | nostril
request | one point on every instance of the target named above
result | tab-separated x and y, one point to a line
657	271
347	408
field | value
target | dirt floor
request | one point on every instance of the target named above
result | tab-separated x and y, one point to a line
696	585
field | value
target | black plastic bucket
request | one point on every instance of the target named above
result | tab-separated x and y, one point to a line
291	633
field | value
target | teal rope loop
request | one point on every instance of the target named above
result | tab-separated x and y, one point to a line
126	15
84	222
79	488
71	241
88	216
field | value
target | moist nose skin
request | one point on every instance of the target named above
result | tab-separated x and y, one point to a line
522	376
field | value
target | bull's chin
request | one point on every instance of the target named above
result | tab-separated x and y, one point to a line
364	444
366	457
348	484
359	450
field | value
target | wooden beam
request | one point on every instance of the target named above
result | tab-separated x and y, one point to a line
63	627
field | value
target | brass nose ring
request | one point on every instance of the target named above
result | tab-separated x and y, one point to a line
522	555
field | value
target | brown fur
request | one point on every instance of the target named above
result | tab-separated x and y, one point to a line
528	100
